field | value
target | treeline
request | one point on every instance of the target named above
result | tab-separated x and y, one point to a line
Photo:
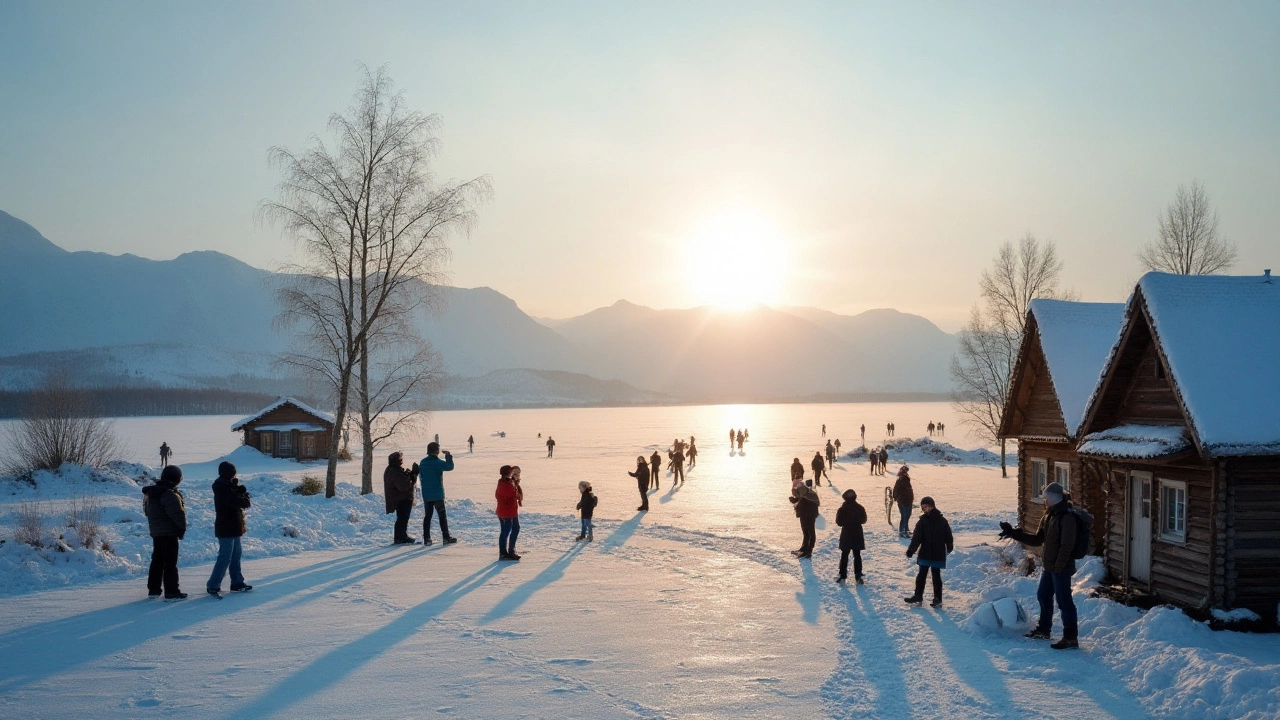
134	401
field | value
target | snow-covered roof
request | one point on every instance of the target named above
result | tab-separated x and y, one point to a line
279	403
1076	338
1136	441
1221	338
286	427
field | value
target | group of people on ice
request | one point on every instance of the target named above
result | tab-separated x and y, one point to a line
936	428
739	436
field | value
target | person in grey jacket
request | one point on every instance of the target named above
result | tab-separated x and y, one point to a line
167	520
1057	535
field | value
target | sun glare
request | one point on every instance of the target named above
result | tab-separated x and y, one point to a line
736	259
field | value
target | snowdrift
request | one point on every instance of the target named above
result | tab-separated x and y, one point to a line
929	451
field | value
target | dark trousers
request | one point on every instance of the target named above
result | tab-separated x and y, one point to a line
164	566
653	475
844	563
937	581
904	512
429	506
644	495
809	530
403	509
677	473
1057	585
510	530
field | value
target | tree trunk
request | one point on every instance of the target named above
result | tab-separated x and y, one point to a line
366	423
339	418
1004	470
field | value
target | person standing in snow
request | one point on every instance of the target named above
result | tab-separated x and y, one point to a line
824	429
933	540
551	446
850	518
831	455
508	497
797	471
230	500
397	490
741	439
471	443
677	465
837	447
431	472
1057	535
692	452
862	430
732	435
165	454
818	467
884	459
642	481
167	521
588	507
806	503
655	464
904	495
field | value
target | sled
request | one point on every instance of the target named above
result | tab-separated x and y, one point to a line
888	506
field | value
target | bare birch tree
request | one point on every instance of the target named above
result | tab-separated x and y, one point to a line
989	342
1189	242
374	225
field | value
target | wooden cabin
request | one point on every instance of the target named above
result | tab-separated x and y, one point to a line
288	428
1183	431
1063	351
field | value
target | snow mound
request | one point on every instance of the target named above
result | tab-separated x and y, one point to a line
927	451
1005	615
1136	441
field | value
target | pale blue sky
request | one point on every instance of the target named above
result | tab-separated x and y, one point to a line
890	147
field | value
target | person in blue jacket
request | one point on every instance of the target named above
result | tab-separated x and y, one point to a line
431	478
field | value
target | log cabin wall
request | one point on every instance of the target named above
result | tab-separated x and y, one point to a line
1251	526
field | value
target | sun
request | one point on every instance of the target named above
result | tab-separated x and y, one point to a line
736	259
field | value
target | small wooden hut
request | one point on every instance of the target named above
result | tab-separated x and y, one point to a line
1184	432
288	428
1063	351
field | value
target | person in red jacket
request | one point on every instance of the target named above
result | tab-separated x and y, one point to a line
509	497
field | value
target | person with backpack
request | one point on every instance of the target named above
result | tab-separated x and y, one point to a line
850	518
397	490
933	540
230	500
806	502
167	521
588	507
1064	536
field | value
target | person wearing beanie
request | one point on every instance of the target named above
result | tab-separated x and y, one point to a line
904	495
850	518
230	500
588	507
508	496
1057	535
806	502
167	521
642	482
431	470
819	467
797	470
397	490
933	540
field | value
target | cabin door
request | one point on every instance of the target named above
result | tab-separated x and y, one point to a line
1140	527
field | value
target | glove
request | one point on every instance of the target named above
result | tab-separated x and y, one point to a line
415	468
908	554
1006	530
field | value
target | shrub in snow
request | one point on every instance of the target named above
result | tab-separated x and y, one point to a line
84	517
30	525
310	485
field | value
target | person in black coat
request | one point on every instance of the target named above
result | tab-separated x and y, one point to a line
642	482
819	467
167	520
850	518
397	490
230	500
588	507
932	539
655	464
806	502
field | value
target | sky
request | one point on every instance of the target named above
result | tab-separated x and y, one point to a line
846	156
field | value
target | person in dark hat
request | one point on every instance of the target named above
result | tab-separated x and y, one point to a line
933	540
850	518
1057	535
641	475
167	521
904	495
230	500
397	490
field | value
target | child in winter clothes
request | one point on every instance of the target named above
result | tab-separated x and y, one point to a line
508	496
588	507
167	520
806	502
933	539
851	517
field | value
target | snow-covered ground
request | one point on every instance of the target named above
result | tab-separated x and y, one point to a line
694	609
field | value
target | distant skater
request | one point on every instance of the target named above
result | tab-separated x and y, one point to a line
942	429
655	464
642	482
837	447
931	427
508	497
551	446
437	437
587	505
471	443
824	429
850	518
831	455
165	454
692	453
888	429
732	435
933	540
741	439
862	430
818	467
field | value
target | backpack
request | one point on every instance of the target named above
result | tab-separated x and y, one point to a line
1084	533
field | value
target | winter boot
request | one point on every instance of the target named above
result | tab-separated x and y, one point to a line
215	593
859	580
916	600
591	536
153	596
175	597
840	579
580	538
426	540
1065	644
241	588
450	540
1037	634
936	603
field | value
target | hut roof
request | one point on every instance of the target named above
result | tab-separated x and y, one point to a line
1136	441
279	403
1076	338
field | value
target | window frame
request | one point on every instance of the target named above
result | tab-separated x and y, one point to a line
1038	493
1176	537
284	441
267	442
1066	467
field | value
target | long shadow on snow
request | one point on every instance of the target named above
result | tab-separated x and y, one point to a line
671	493
971	663
870	647
811	598
38	651
619	537
518	596
340	662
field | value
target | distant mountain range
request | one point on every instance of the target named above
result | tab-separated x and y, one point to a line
205	319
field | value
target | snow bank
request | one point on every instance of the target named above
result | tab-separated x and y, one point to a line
928	451
1136	441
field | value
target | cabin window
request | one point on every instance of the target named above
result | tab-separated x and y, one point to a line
1173	511
1062	476
1039	478
266	442
308	445
286	443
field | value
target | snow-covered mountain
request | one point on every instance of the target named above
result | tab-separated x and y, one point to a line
205	319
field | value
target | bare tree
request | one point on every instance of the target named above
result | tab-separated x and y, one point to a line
1189	242
989	342
61	425
374	226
